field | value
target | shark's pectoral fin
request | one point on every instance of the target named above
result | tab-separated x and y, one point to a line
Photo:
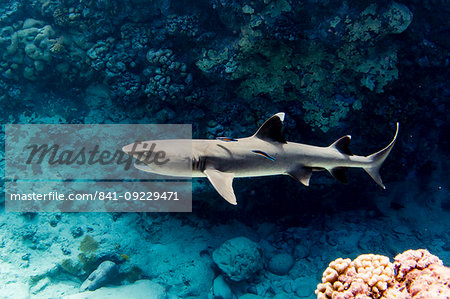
339	173
223	183
301	174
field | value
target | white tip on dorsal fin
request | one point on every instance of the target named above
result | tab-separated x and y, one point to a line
223	183
271	130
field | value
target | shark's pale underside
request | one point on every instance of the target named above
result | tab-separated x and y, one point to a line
265	153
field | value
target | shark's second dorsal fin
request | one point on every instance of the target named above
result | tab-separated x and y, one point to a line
271	130
343	145
223	183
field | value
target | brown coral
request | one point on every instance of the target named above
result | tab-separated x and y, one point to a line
368	276
422	275
334	278
415	274
414	259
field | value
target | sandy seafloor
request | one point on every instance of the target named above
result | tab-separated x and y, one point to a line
170	251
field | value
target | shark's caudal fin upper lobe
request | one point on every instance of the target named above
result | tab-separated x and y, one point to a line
377	160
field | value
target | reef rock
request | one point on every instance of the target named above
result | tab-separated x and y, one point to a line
221	289
239	258
100	277
281	263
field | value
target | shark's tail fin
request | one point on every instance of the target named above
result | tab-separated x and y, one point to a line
377	160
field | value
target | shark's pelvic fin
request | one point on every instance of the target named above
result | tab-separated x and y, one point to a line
301	174
377	160
339	173
223	183
271	130
343	145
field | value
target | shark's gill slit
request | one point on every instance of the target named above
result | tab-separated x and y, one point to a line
198	164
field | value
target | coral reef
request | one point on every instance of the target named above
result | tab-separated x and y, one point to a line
312	72
272	52
182	26
170	79
414	274
367	275
420	274
28	51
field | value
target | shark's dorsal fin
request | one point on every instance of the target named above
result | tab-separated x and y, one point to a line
223	183
271	130
343	145
301	174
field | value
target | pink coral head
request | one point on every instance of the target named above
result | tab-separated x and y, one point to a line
413	259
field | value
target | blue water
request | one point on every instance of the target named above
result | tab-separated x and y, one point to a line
224	67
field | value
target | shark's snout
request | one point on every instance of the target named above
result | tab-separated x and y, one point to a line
128	148
138	147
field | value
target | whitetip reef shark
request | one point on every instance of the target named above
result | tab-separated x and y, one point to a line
265	153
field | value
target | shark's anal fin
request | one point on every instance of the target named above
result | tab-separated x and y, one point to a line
271	129
301	174
223	183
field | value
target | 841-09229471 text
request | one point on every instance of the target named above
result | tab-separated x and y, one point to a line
98	195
